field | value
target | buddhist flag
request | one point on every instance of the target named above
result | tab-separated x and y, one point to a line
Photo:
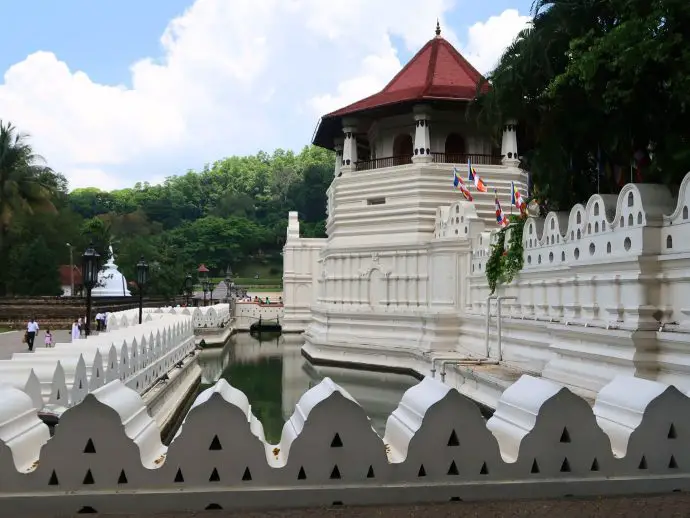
460	185
516	198
473	177
500	216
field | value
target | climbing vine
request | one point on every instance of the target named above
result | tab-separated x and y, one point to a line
505	262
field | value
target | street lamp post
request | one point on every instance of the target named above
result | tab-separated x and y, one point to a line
89	269
188	286
142	280
202	272
71	268
204	286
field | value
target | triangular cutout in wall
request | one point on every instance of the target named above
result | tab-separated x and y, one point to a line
88	478
215	444
336	442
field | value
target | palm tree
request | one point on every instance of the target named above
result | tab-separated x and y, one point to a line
25	180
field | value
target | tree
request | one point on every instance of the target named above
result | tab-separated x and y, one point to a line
26	184
34	270
600	90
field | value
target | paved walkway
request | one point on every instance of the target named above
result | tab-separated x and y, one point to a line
11	342
666	506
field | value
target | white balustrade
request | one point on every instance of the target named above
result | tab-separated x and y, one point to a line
137	355
543	441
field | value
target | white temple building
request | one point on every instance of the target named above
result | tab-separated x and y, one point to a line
111	283
400	279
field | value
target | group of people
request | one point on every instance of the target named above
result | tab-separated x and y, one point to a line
32	329
78	330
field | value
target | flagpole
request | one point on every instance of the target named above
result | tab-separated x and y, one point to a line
598	169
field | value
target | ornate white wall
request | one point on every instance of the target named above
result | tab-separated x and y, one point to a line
248	313
543	441
137	355
300	272
603	291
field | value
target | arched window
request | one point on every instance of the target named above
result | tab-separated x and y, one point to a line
455	149
402	149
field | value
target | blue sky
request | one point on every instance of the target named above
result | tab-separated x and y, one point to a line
231	77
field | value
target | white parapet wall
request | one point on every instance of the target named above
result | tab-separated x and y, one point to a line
138	355
250	312
211	317
543	441
603	291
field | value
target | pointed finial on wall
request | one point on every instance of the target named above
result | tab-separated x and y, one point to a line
438	28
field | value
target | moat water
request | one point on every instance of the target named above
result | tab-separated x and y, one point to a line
273	374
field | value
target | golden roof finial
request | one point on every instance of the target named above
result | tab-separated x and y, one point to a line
438	28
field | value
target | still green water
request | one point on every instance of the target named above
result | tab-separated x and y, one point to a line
273	374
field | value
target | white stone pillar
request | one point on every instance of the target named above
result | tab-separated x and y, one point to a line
422	141
338	156
509	144
349	159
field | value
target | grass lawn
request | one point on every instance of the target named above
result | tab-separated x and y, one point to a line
5	329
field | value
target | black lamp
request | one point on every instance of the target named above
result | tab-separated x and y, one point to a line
89	271
142	280
188	286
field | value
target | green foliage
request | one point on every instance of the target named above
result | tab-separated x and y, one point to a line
505	263
591	83
33	271
231	213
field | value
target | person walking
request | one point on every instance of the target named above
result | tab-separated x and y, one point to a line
31	330
80	323
76	330
49	339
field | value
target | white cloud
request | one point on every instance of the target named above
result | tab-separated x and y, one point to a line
234	77
487	40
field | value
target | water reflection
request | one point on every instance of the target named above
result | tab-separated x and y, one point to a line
273	374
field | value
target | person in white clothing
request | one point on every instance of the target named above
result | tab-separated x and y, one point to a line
31	330
76	332
99	320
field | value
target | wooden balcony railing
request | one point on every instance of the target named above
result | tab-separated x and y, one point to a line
462	158
437	158
378	163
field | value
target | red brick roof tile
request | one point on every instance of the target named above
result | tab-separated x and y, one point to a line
437	71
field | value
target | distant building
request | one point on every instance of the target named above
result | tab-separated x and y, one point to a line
66	280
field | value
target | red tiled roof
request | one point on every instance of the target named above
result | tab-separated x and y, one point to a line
66	278
437	71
